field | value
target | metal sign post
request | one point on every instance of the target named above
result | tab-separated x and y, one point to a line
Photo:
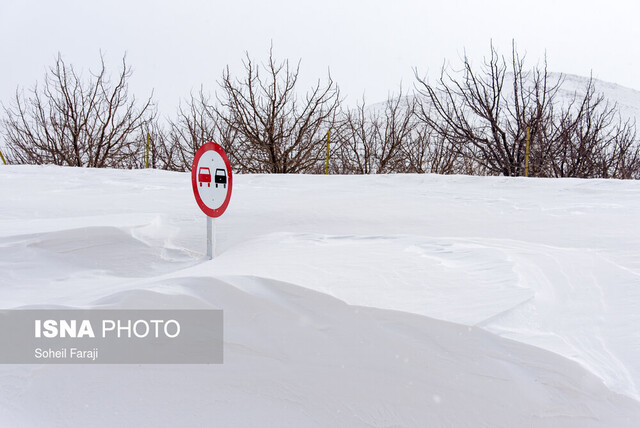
210	238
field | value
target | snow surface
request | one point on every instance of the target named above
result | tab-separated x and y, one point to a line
396	300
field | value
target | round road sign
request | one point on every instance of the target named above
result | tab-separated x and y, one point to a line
212	179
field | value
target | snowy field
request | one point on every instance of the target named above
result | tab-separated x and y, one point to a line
359	301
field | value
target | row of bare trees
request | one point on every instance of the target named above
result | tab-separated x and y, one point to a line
483	116
73	121
471	121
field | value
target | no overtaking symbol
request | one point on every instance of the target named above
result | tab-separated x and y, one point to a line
212	182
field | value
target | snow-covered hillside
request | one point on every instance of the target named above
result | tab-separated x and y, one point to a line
626	100
403	300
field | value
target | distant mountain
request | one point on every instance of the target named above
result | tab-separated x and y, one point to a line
626	99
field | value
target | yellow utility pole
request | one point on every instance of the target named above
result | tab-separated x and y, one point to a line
326	170
526	162
147	163
2	157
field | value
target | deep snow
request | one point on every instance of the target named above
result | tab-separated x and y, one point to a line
402	300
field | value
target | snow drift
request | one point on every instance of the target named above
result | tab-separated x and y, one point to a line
349	301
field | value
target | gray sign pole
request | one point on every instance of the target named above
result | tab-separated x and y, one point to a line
211	238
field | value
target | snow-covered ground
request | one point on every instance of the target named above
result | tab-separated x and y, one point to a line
401	300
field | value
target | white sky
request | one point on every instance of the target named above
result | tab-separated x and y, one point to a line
369	46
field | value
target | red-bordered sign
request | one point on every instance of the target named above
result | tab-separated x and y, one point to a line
212	179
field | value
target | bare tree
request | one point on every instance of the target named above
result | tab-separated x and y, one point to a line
198	122
592	141
356	138
272	129
372	139
160	154
481	117
428	152
76	122
625	156
485	121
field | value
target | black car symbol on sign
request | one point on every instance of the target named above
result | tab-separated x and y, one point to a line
221	177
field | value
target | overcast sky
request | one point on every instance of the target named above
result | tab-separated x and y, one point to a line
370	47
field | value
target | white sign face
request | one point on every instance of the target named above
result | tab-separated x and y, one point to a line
211	177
